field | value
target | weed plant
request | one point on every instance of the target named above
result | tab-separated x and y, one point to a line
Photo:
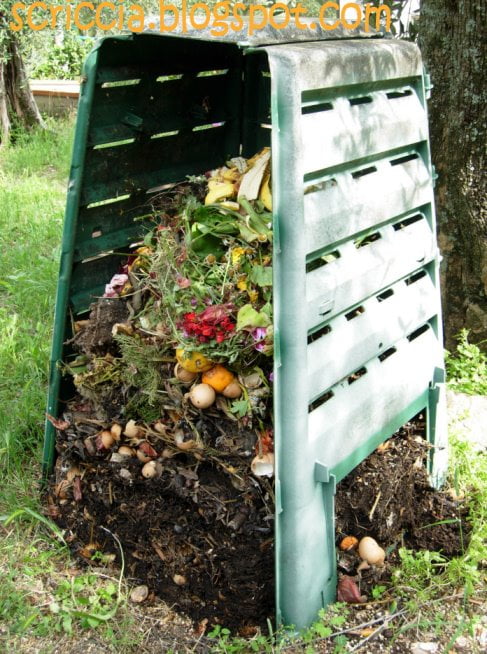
467	367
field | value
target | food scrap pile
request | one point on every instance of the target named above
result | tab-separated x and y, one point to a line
166	443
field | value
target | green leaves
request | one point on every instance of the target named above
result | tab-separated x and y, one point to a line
261	275
249	317
209	226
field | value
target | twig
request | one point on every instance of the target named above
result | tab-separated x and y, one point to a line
374	506
122	558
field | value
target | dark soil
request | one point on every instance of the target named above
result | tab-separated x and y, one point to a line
388	497
198	542
205	546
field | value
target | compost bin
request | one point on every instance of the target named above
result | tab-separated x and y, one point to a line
356	305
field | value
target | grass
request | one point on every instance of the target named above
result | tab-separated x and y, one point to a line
44	600
32	196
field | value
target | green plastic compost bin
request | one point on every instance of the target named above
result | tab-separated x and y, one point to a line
358	343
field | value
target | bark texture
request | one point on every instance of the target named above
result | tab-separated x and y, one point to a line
454	47
17	104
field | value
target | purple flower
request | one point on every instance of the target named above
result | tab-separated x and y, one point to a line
259	347
271	377
259	333
116	285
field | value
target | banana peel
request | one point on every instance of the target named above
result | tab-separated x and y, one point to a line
231	175
265	195
218	190
252	179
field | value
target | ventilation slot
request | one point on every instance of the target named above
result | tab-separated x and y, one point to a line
320	186
125	82
356	375
316	108
355	313
367	240
418	332
416	277
266	125
162	135
384	295
101	203
322	261
320	401
318	334
388	353
212	73
393	95
408	221
102	255
201	128
113	144
168	78
364	171
161	187
404	159
365	99
96	233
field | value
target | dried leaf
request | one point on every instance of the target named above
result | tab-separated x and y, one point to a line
348	591
77	494
58	423
147	449
201	628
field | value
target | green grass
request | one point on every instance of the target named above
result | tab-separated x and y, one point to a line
40	594
33	176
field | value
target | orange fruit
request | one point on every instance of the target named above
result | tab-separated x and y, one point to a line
218	378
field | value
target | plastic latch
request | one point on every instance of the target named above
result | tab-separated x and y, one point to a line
131	120
326	306
439	378
324	476
434	175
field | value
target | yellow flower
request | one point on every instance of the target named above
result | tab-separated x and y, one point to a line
237	254
253	296
242	283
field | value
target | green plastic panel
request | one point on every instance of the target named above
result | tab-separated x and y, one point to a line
358	343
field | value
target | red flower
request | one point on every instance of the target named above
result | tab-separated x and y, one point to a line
212	323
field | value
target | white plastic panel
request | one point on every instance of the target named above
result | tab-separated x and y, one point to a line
350	131
351	201
355	338
360	272
359	410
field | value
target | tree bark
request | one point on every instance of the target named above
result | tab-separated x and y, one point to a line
452	40
17	104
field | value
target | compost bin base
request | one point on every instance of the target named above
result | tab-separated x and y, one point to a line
176	525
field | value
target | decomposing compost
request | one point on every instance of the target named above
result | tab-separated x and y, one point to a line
165	453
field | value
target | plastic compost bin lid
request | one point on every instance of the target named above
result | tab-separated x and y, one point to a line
268	35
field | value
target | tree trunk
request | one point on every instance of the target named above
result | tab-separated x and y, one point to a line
17	104
452	39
